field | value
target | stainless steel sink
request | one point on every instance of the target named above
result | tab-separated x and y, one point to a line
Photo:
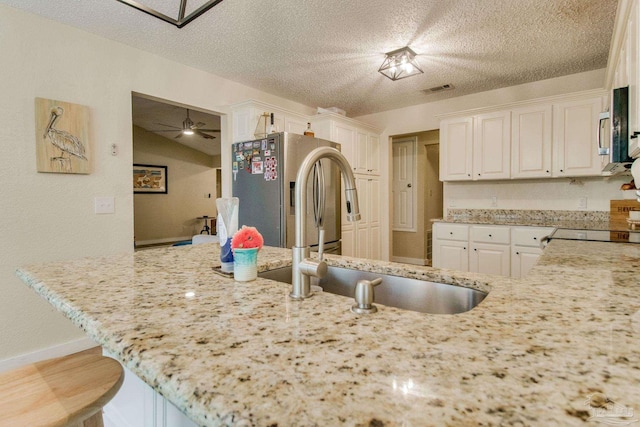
394	291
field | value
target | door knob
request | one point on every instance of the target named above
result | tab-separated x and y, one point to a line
409	185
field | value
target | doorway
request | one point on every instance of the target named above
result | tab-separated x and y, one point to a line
417	195
193	169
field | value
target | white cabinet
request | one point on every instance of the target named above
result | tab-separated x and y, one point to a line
544	138
456	149
136	404
247	115
475	148
367	155
575	139
492	145
360	144
526	248
531	134
361	239
490	252
489	249
450	246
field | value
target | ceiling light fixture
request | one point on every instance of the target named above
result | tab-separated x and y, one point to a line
400	63
182	19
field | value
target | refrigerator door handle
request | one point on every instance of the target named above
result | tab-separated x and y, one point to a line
318	194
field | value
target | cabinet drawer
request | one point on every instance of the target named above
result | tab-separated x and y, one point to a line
490	234
451	231
529	236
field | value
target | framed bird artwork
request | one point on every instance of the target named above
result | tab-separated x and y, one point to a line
62	137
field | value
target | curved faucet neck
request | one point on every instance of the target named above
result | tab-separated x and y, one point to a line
301	186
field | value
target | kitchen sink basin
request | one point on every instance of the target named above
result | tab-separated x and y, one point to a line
394	291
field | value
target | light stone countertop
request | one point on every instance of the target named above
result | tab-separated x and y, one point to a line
532	353
586	220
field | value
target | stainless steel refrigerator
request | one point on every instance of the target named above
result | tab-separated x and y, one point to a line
264	179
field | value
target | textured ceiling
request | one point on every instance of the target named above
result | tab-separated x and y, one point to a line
166	120
325	53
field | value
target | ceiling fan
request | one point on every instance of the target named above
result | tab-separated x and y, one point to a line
189	128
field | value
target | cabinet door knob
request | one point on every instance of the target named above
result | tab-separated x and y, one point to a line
409	185
475	249
535	238
561	170
490	235
517	253
547	171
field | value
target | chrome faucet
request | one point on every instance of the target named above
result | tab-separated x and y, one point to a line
303	266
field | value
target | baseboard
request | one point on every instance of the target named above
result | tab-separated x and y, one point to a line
160	241
407	260
47	353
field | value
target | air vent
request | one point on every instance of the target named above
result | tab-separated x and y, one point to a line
448	86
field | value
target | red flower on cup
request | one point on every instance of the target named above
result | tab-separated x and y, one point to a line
246	238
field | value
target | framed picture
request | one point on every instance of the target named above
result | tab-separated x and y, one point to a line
62	137
149	179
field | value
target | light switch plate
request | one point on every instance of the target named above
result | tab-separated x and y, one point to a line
104	205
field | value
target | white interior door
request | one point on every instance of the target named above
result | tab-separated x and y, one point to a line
404	184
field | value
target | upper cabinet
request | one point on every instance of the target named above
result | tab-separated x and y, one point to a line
531	141
492	145
553	137
575	138
248	120
359	142
456	149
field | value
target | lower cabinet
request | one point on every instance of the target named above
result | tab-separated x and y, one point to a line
489	249
526	248
489	259
451	255
523	259
138	405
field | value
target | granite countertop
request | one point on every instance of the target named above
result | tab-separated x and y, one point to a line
536	351
585	220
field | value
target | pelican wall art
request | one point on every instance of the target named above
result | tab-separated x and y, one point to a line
62	137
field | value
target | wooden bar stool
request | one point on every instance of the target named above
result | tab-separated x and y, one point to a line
66	391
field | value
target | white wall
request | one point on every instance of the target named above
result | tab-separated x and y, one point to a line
173	216
46	217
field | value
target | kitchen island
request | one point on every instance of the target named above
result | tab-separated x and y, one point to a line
536	351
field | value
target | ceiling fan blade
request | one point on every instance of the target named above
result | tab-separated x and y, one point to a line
204	135
169	126
178	135
197	125
209	130
162	130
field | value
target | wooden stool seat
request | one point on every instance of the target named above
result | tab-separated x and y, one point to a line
67	391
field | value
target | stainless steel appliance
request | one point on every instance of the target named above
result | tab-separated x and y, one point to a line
613	139
264	179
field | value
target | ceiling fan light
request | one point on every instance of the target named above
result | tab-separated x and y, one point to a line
187	132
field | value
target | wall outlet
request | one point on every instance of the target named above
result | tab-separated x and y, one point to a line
494	201
582	203
104	205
